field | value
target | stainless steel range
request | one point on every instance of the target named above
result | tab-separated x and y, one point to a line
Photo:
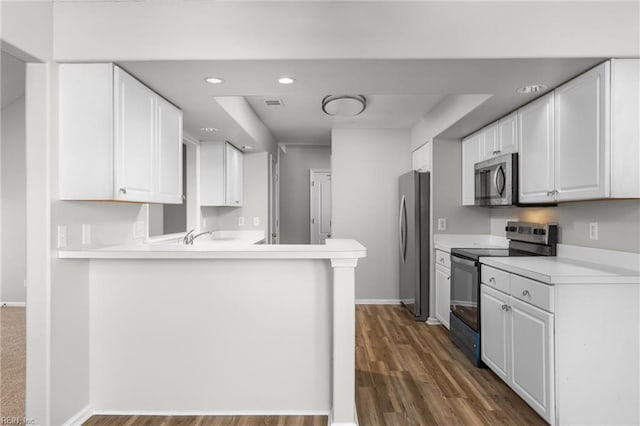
525	239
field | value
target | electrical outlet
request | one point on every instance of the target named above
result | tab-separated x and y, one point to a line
138	229
62	236
442	224
240	220
256	221
86	233
593	230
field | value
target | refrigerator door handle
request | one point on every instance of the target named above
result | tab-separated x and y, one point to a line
402	224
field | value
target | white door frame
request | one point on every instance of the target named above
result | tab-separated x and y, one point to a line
311	224
273	225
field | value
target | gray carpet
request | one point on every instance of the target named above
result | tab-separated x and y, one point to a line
12	361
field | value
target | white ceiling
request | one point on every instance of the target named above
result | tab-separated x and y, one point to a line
399	92
12	71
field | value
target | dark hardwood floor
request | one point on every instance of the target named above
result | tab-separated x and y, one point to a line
407	373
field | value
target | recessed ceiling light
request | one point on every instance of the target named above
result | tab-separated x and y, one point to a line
247	147
214	80
286	80
209	129
534	88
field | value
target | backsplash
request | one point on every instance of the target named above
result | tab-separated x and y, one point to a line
618	222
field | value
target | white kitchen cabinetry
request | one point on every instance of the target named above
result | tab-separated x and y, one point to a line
472	149
517	344
443	287
118	140
536	151
581	140
508	134
491	142
221	170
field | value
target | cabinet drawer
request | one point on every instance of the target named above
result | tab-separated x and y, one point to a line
443	258
495	278
533	292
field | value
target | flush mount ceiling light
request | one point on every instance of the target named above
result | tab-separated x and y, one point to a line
344	105
534	88
214	80
286	80
209	129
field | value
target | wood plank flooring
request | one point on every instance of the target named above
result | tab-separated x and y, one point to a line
407	373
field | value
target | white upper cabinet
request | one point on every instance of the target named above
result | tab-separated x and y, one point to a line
508	134
491	142
581	136
472	150
536	151
118	140
221	171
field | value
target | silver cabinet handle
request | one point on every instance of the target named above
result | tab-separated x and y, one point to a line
504	307
442	260
448	278
492	280
508	308
123	190
526	293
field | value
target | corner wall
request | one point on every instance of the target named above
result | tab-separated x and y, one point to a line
365	166
294	189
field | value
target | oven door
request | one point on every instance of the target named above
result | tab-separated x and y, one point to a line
465	286
494	181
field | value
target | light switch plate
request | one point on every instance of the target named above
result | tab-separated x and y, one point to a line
240	220
62	236
593	230
442	224
256	221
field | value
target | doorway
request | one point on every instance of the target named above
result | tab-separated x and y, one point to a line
13	268
320	206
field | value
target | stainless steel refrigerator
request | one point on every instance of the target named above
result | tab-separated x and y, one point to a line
414	243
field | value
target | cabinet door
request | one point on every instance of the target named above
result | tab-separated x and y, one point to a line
443	294
471	150
507	134
233	174
536	151
582	136
495	331
532	357
135	108
169	152
212	174
490	147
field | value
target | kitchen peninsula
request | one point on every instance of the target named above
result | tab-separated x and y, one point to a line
223	329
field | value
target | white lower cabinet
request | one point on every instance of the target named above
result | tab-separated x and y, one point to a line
517	344
443	294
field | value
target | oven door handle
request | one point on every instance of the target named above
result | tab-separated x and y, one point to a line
457	259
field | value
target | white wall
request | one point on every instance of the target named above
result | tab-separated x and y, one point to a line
365	166
618	222
13	190
294	189
240	30
255	202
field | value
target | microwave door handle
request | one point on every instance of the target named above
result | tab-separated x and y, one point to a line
500	180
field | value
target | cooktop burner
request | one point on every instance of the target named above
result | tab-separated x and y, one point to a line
476	253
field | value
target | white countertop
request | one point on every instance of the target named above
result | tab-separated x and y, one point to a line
561	270
446	242
222	249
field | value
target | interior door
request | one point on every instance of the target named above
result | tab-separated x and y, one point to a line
320	207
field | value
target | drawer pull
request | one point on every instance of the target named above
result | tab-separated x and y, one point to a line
504	307
442	260
492	280
526	293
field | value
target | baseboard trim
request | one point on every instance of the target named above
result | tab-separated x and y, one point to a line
80	417
13	304
377	301
207	413
433	321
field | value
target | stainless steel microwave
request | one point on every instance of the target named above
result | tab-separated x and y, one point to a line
496	181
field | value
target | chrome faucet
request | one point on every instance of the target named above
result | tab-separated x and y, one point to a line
188	239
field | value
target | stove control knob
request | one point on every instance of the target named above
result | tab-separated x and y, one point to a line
539	231
510	228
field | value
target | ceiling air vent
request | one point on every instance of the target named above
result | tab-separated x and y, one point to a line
273	102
